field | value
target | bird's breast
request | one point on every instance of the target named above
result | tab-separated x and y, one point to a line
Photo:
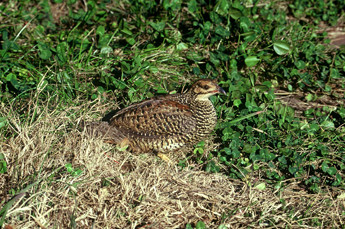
206	118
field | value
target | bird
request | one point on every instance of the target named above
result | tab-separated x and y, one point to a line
165	123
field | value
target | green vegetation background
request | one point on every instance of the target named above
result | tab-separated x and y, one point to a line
261	52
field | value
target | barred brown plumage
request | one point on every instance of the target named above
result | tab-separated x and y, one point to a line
164	123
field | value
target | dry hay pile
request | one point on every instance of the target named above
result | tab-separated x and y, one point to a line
117	189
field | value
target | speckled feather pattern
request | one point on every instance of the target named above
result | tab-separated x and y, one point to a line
166	123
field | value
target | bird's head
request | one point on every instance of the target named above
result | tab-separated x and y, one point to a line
204	88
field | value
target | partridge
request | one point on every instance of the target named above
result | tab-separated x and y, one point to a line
164	123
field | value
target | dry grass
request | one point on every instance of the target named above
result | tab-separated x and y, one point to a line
117	189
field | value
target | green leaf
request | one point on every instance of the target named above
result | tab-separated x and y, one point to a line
3	164
331	171
237	102
293	170
200	225
235	13
338	180
172	4
94	96
125	67
126	31
309	97
182	46
45	52
3	122
77	172
261	186
158	26
106	50
189	226
130	41
100	89
192	6
69	167
222	7
222	31
327	124
12	78
314	127
300	64
328	88
324	166
335	73
251	61
100	30
281	47
61	51
214	59
227	151
341	112
212	167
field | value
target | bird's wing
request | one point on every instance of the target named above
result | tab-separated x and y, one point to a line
155	117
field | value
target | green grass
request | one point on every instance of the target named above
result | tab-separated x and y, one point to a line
281	122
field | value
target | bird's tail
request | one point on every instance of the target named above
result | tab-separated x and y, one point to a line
104	130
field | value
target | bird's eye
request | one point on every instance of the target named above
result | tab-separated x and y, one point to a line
206	87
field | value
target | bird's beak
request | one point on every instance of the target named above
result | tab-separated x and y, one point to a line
221	90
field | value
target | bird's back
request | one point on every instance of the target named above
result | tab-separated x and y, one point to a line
161	124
